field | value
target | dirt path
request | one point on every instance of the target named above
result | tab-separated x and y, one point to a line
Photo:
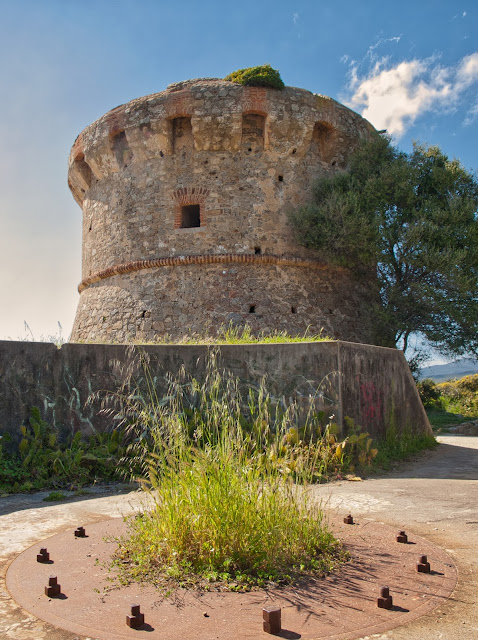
435	497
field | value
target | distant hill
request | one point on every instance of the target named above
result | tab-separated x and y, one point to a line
455	369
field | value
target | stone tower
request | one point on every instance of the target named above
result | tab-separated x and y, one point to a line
185	196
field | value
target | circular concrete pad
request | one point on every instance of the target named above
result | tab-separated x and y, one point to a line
342	606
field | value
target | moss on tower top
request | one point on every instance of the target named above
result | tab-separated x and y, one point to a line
264	76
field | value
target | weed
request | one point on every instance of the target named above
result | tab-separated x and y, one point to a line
43	461
399	446
358	447
55	496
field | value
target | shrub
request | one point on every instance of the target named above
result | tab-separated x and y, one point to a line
263	76
429	393
461	396
468	383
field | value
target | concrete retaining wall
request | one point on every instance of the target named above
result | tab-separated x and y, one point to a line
373	385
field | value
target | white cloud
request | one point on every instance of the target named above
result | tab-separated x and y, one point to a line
379	43
295	17
467	72
393	97
472	115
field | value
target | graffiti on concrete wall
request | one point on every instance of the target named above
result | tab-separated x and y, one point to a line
371	401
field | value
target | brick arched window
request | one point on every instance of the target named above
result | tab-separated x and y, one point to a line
190	209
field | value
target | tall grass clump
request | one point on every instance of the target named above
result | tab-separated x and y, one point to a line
243	334
400	446
227	475
232	334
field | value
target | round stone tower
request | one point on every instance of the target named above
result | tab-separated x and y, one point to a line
185	196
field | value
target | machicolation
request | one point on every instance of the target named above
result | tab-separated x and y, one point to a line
185	196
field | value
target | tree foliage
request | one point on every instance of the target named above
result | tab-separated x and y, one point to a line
413	218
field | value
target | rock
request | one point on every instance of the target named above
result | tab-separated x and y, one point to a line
466	428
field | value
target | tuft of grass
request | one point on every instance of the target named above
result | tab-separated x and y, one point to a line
401	446
243	335
220	518
232	334
55	496
229	487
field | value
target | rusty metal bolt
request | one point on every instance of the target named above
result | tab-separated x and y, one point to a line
385	599
80	532
348	519
43	556
271	617
423	566
53	589
402	537
136	619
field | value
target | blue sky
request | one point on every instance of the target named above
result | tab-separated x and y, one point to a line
410	67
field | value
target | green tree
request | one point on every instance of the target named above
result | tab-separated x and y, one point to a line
412	219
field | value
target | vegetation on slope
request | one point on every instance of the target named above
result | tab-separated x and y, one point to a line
452	402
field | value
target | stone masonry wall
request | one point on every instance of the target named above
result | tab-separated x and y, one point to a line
185	299
209	168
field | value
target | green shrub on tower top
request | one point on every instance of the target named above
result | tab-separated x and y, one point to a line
264	76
